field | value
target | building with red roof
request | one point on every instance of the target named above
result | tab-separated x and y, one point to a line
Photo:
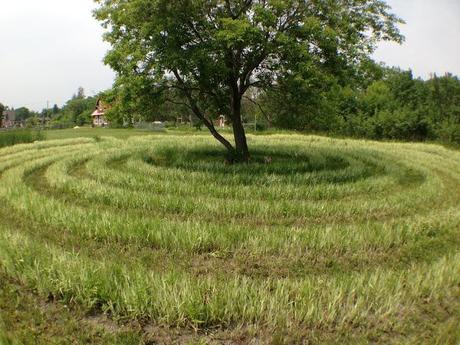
99	119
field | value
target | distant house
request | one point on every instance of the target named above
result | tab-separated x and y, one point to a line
8	119
99	119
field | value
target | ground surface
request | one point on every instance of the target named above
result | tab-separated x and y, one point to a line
155	239
88	132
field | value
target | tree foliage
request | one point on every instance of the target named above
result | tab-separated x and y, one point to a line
390	104
214	51
76	111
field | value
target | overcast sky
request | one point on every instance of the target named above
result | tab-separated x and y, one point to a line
49	48
432	32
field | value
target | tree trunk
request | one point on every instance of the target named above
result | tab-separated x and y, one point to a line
241	152
219	137
241	145
196	110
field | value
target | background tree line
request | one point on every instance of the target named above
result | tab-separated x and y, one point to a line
384	103
381	103
388	103
75	112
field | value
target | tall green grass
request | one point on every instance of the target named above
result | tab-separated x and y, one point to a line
19	136
314	237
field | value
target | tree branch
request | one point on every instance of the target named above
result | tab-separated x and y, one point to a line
196	110
170	100
260	108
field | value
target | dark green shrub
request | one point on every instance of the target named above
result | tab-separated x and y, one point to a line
450	133
402	124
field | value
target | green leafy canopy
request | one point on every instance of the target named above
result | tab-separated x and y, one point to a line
214	51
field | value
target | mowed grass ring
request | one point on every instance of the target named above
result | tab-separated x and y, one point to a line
315	236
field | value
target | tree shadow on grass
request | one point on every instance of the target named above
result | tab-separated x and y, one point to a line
265	164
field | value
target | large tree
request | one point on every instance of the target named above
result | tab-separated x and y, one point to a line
214	51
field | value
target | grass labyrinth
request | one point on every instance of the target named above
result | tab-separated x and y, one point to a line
315	238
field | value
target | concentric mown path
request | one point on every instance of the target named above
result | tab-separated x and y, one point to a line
316	237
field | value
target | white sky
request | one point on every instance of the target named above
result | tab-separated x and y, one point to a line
48	48
432	32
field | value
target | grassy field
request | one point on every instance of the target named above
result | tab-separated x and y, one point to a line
88	132
18	136
153	239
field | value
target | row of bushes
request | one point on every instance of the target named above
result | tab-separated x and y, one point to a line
394	106
399	125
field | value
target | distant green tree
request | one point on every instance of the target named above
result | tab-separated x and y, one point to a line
77	111
55	110
80	93
130	101
33	121
22	114
377	97
445	97
213	52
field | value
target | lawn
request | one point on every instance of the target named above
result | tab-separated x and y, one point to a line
19	136
88	132
132	238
